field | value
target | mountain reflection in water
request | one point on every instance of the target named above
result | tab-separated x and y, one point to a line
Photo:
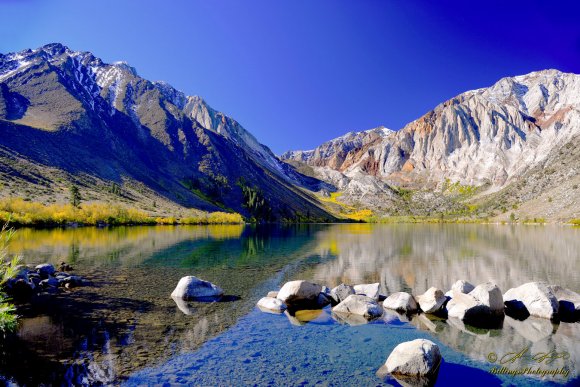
414	257
127	322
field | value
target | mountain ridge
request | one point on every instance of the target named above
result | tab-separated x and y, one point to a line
67	117
69	113
487	139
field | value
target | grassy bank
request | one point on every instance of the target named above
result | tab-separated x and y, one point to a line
31	214
8	269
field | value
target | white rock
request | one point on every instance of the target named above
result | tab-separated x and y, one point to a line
431	301
369	290
462	305
419	357
271	304
299	291
273	293
401	302
537	297
460	286
489	295
359	305
191	287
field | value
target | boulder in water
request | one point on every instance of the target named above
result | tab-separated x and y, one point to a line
190	288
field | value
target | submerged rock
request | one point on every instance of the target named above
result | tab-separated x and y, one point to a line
401	302
304	316
369	290
350	319
299	291
191	287
417	358
431	301
535	297
271	305
341	292
359	305
273	293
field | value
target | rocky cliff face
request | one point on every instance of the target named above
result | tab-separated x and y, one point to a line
488	138
489	135
68	115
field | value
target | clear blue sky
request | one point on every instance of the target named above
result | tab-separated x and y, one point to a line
297	73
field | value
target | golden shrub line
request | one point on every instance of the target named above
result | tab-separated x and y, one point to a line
25	213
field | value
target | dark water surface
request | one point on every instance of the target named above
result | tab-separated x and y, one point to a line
125	329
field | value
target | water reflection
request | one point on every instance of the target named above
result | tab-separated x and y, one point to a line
416	257
127	321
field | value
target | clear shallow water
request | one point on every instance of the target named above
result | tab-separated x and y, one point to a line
126	328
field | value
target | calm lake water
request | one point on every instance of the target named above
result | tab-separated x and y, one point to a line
125	328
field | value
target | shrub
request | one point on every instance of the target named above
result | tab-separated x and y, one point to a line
8	269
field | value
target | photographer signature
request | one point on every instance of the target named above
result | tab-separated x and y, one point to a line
526	354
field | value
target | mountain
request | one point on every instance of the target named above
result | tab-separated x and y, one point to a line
68	117
484	142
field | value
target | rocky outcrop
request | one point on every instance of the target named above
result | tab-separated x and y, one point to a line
536	298
191	288
488	138
337	153
359	305
401	302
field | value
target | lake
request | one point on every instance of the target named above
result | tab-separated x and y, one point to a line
125	328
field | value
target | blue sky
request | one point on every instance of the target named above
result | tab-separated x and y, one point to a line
297	73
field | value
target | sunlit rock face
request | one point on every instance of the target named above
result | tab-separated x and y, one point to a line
416	257
490	135
518	139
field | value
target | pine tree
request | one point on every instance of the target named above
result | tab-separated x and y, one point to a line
75	196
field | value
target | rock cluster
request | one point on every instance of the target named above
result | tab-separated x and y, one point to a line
301	300
542	300
31	280
481	306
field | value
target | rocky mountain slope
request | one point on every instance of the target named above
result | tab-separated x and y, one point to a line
66	117
482	142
